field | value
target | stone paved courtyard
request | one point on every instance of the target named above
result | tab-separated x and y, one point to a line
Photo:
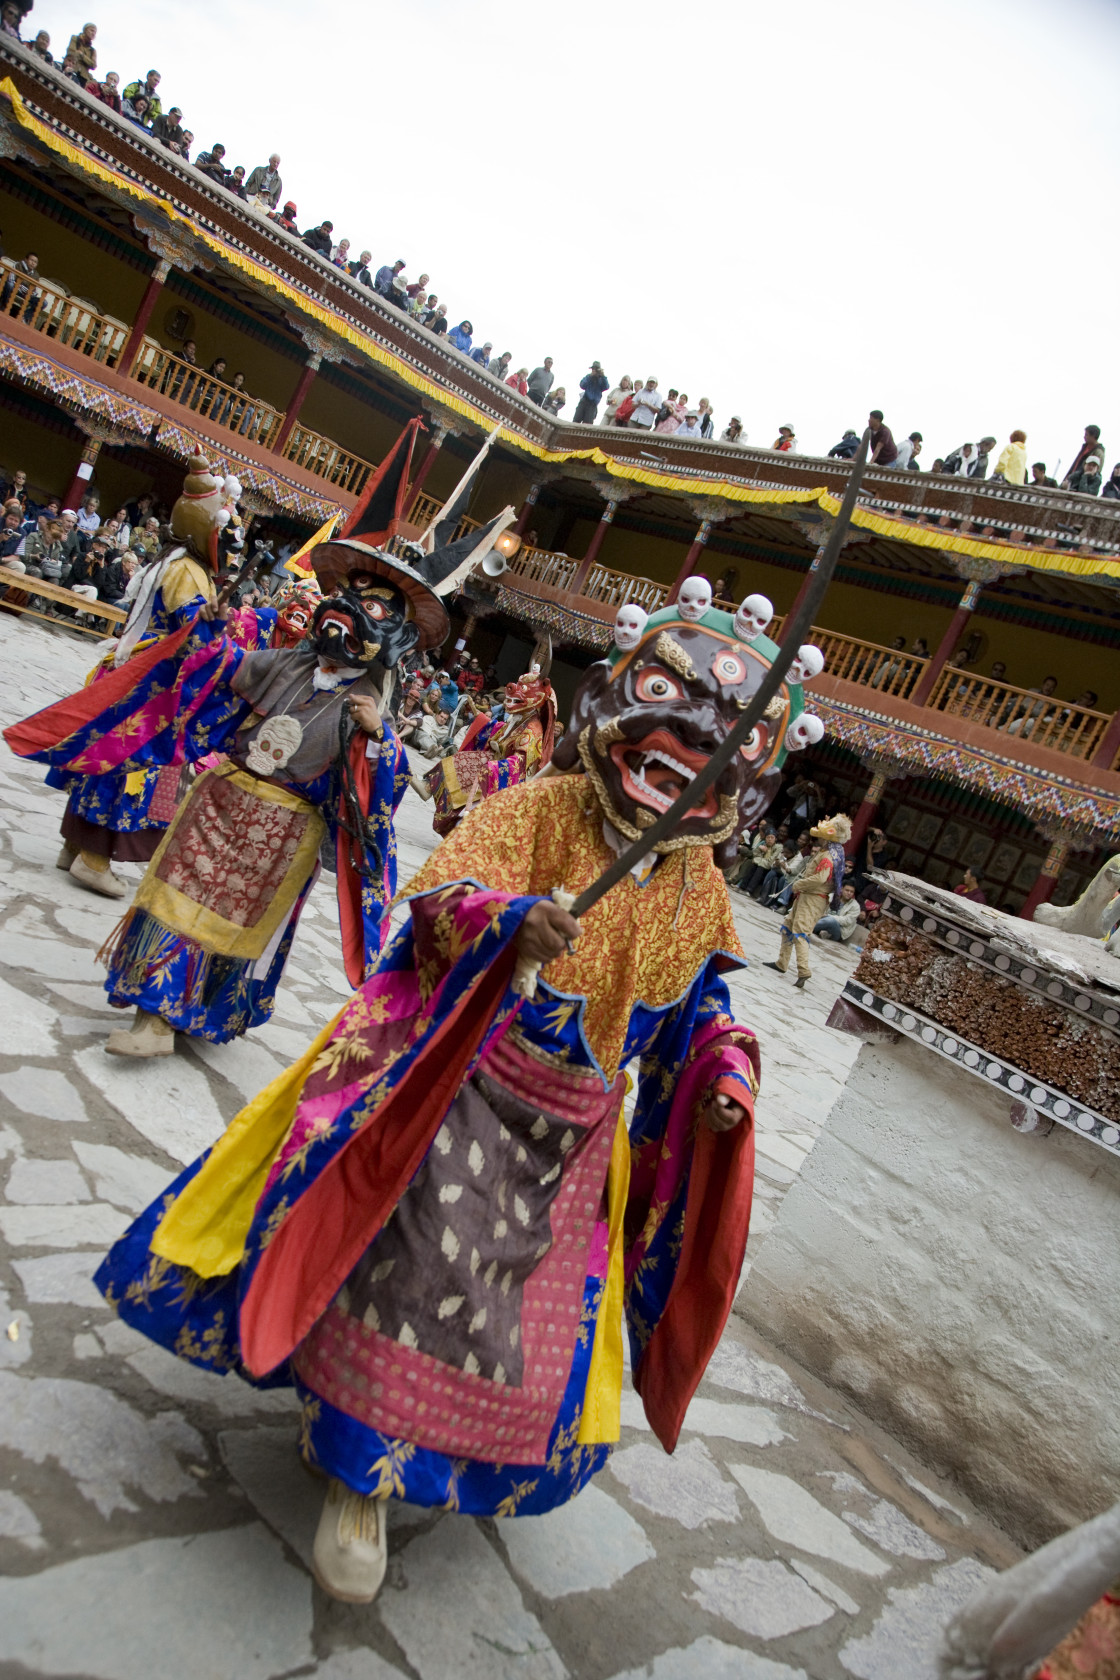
155	1520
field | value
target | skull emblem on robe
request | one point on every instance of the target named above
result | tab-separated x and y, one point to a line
276	742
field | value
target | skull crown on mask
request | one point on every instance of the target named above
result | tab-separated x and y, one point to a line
753	616
644	728
629	622
694	599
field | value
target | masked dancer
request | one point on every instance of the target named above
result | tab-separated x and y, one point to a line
434	1224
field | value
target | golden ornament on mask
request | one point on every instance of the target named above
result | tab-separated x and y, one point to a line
671	653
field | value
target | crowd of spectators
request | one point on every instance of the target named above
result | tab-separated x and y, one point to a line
75	549
973	460
629	403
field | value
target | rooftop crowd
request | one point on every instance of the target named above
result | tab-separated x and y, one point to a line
637	404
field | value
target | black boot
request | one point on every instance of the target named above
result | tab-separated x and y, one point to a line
778	969
801	982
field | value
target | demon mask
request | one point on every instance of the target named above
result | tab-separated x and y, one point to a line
295	612
646	721
366	624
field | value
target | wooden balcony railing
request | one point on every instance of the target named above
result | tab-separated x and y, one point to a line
543	565
318	455
616	588
202	394
425	510
49	309
1042	719
890	670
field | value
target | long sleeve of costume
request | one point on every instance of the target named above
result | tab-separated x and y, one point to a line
689	1202
138	714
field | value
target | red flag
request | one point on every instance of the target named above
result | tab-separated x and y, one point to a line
381	506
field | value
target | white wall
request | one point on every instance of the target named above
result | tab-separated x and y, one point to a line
962	1282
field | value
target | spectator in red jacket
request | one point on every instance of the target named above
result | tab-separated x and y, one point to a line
108	91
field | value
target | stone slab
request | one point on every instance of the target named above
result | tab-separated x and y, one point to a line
906	1636
589	1543
98	1439
163	1607
266	1465
168	1101
686	1486
764	1599
128	1181
37	1181
791	1514
57	1279
711	1659
95	1223
459	1612
46	1092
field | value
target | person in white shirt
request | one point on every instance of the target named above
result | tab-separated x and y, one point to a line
648	403
907	450
843	923
89	519
690	426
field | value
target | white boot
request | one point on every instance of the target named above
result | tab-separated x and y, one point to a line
350	1552
65	858
97	880
149	1035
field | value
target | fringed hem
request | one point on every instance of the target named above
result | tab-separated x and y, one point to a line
168	974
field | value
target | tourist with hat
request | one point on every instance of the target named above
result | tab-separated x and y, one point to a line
786	440
593	384
816	890
1086	481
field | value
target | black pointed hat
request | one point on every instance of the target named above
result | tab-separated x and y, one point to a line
360	545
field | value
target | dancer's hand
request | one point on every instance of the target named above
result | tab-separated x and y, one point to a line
214	610
546	933
363	709
723	1113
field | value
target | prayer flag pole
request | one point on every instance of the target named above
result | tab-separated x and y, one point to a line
427	541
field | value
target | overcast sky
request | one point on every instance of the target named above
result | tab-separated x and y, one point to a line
799	211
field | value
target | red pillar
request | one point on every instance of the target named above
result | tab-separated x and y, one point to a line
81	478
861	822
1047	879
527	507
593	548
805	582
143	316
947	645
425	467
699	542
1103	758
303	385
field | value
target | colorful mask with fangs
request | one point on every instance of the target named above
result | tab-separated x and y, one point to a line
647	719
